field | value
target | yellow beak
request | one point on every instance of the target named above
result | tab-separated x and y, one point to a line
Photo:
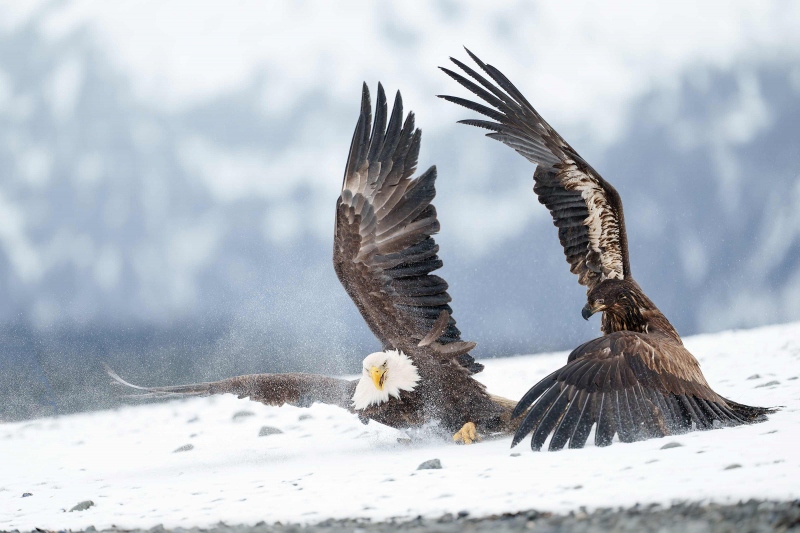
378	375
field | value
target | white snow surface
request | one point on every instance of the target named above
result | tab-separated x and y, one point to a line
326	464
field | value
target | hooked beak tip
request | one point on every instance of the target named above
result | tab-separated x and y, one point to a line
586	312
378	377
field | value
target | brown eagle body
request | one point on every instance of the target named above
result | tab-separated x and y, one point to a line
637	381
384	254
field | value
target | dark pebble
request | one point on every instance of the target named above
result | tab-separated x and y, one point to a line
432	464
769	384
733	466
26	494
266	431
184	448
82	506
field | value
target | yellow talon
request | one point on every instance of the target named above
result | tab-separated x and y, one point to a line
467	434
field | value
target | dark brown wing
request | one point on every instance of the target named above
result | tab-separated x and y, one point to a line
300	390
384	251
638	386
586	209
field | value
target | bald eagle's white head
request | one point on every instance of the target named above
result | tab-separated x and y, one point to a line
384	374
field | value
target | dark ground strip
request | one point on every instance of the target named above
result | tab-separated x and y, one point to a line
750	516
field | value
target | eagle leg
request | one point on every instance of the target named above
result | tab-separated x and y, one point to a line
467	434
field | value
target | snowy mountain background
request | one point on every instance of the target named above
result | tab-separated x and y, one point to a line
169	172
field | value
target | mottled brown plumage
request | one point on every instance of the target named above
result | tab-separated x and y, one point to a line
384	255
637	381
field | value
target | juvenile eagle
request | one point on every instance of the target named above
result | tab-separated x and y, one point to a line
384	255
637	380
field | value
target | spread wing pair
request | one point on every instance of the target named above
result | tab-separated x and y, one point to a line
384	255
637	381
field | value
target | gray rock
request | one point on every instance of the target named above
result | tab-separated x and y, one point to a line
82	506
669	445
304	417
184	448
238	415
769	384
755	376
266	431
432	464
733	466
26	494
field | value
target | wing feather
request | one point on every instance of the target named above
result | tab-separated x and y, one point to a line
586	209
566	426
384	251
634	385
550	419
606	422
585	420
297	389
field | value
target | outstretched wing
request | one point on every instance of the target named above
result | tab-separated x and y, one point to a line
300	390
637	386
586	209
384	253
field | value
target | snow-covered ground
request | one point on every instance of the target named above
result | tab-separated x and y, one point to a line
326	464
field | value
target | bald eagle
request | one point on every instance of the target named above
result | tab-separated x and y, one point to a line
384	255
638	380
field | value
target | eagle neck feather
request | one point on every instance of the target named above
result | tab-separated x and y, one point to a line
634	311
